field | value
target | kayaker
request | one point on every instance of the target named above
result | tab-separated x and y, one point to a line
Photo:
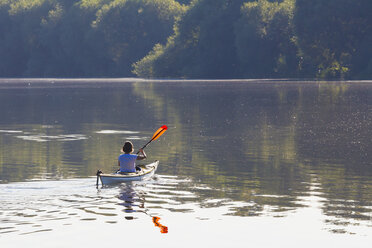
127	161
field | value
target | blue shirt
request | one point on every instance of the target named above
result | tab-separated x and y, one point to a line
127	162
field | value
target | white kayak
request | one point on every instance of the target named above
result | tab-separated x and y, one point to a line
146	172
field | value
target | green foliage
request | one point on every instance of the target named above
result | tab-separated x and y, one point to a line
87	38
225	39
284	38
333	37
202	45
131	28
186	38
265	39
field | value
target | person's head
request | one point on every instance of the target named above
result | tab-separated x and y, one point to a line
128	147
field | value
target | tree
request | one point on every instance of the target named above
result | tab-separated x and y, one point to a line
265	40
202	45
42	38
11	48
332	34
131	28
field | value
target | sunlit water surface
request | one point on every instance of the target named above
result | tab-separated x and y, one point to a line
243	163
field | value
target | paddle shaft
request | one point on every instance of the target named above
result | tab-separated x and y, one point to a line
143	147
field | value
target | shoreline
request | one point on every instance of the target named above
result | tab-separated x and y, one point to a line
50	82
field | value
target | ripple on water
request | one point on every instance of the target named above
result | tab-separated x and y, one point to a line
43	206
11	131
45	138
116	132
40	206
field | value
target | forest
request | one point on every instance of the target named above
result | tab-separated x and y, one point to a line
212	39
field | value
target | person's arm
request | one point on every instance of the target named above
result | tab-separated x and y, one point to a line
141	156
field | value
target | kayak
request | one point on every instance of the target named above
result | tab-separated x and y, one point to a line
146	172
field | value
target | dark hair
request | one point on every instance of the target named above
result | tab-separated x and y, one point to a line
128	147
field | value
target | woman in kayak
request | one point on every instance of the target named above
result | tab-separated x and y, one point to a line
127	161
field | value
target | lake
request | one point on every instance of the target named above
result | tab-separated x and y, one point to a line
244	163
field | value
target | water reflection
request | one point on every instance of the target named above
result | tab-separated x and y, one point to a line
49	206
133	201
156	221
267	149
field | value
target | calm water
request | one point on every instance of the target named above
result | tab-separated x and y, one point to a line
243	164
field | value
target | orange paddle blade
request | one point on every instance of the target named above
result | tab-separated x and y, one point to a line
159	132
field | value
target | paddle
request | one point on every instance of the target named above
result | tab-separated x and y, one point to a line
156	135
